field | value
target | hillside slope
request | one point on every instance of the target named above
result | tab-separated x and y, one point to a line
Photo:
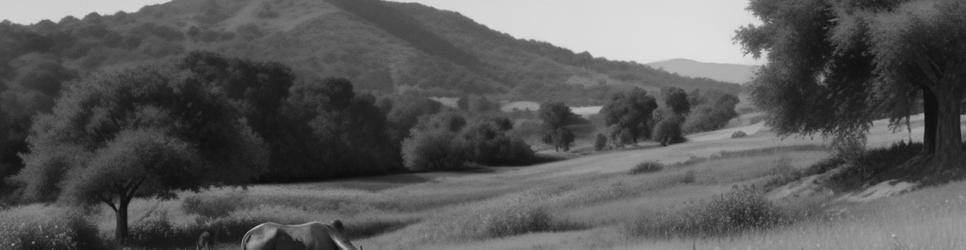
733	73
381	46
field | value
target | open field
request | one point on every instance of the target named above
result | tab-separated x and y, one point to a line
589	202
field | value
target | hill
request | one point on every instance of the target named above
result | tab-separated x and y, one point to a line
384	47
733	73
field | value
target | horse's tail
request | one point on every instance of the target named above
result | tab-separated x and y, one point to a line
248	235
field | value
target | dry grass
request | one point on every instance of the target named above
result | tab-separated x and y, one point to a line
584	203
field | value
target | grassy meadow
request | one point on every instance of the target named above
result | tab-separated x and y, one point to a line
705	194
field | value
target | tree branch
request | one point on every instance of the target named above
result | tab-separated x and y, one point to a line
133	187
107	199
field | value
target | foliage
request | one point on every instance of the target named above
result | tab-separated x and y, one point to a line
711	115
647	167
556	115
43	227
404	113
336	133
628	114
677	100
560	138
739	134
488	142
834	67
142	132
668	131
727	214
600	142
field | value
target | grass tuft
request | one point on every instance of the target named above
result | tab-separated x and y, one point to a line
647	167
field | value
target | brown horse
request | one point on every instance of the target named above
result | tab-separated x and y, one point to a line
308	236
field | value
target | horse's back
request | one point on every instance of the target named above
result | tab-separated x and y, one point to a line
274	236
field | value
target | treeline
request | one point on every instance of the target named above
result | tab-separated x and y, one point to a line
633	116
310	129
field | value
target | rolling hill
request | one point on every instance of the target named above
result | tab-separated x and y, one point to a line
384	47
733	73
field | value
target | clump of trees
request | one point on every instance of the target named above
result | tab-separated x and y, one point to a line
207	120
712	111
143	132
629	116
446	141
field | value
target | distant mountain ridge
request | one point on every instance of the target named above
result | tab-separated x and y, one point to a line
384	47
733	73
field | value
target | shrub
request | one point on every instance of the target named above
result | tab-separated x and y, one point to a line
600	143
727	214
43	227
739	134
668	131
509	218
432	150
487	141
647	167
689	177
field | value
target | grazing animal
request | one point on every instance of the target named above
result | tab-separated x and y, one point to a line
205	241
308	236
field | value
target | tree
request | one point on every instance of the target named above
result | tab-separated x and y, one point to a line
677	100
835	66
560	138
487	141
141	132
556	116
600	143
434	145
405	113
668	131
343	131
629	115
711	115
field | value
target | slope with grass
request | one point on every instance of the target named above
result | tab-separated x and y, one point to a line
592	202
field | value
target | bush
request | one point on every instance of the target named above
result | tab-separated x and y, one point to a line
432	150
668	131
709	117
689	177
727	214
487	141
647	167
739	134
600	143
43	227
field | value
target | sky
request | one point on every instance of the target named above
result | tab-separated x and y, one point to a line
633	30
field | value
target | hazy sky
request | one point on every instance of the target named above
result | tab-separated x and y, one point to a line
638	30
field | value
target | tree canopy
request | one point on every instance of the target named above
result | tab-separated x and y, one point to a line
835	66
629	115
141	132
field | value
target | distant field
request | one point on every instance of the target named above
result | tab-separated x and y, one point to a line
583	203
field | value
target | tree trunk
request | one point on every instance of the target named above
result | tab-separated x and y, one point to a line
930	110
949	153
120	232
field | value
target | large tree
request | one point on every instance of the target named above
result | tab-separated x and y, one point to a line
141	132
629	115
835	66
